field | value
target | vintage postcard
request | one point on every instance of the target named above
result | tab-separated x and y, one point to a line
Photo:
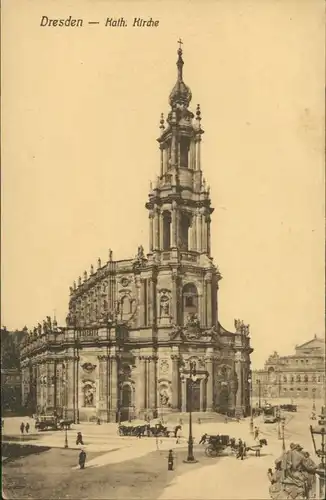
162	323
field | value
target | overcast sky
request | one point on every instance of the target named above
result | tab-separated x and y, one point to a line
81	110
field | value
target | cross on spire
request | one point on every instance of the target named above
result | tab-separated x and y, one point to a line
180	42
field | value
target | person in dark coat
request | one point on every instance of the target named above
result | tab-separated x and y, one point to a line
27	427
22	427
203	439
79	439
82	459
170	460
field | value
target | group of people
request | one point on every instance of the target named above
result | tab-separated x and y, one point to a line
24	428
294	475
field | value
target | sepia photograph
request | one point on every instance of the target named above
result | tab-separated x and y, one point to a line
163	250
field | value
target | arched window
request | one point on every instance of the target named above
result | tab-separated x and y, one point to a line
285	378
319	379
292	379
189	301
306	379
184	152
185	224
166	230
298	378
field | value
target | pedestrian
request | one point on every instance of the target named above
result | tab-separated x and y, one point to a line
27	428
244	450
82	459
178	434
22	427
98	421
199	421
203	439
170	460
240	448
256	433
226	418
79	439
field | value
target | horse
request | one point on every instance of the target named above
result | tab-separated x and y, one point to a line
256	448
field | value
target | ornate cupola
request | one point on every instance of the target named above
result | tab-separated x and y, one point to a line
179	203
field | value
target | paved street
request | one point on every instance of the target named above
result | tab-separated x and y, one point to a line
221	478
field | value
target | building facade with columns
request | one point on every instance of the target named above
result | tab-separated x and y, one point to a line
298	375
134	326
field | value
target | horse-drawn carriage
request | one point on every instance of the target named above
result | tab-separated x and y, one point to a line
46	422
142	428
216	445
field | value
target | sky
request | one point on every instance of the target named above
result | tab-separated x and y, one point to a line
80	119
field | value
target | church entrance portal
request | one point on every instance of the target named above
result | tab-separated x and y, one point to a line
193	395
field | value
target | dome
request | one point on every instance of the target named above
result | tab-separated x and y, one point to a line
181	93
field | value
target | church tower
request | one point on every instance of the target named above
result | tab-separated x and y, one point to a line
180	211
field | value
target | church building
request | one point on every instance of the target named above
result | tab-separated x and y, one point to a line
135	327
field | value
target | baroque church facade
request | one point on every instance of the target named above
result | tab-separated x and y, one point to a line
135	326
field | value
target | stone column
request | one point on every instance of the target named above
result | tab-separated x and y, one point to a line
183	394
161	231
142	383
175	382
162	161
156	242
142	305
174	225
204	233
208	235
152	399
202	394
174	148
238	370
198	159
208	280
114	393
198	231
174	304
192	155
210	384
151	229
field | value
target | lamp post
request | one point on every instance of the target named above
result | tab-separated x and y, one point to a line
259	393
314	399
192	379
283	434
319	432
279	435
64	382
250	402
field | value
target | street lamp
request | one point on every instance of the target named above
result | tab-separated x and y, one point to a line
192	379
283	434
250	402
314	399
279	436
259	393
319	432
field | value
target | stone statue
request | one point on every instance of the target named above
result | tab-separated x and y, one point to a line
99	263
71	290
294	475
48	321
140	253
79	281
75	285
45	327
85	275
110	255
92	269
39	329
164	398
193	320
165	307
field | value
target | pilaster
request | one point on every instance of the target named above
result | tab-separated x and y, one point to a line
175	382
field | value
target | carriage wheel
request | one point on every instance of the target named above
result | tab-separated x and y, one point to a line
211	451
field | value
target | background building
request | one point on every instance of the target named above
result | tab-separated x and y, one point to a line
300	375
135	326
11	387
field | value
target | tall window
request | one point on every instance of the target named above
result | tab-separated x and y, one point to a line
166	230
184	152
189	301
185	224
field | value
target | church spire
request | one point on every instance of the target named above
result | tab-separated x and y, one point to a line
181	93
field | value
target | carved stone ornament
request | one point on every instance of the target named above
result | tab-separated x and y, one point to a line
124	282
238	356
164	366
88	367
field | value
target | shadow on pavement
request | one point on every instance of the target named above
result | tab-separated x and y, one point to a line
13	451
